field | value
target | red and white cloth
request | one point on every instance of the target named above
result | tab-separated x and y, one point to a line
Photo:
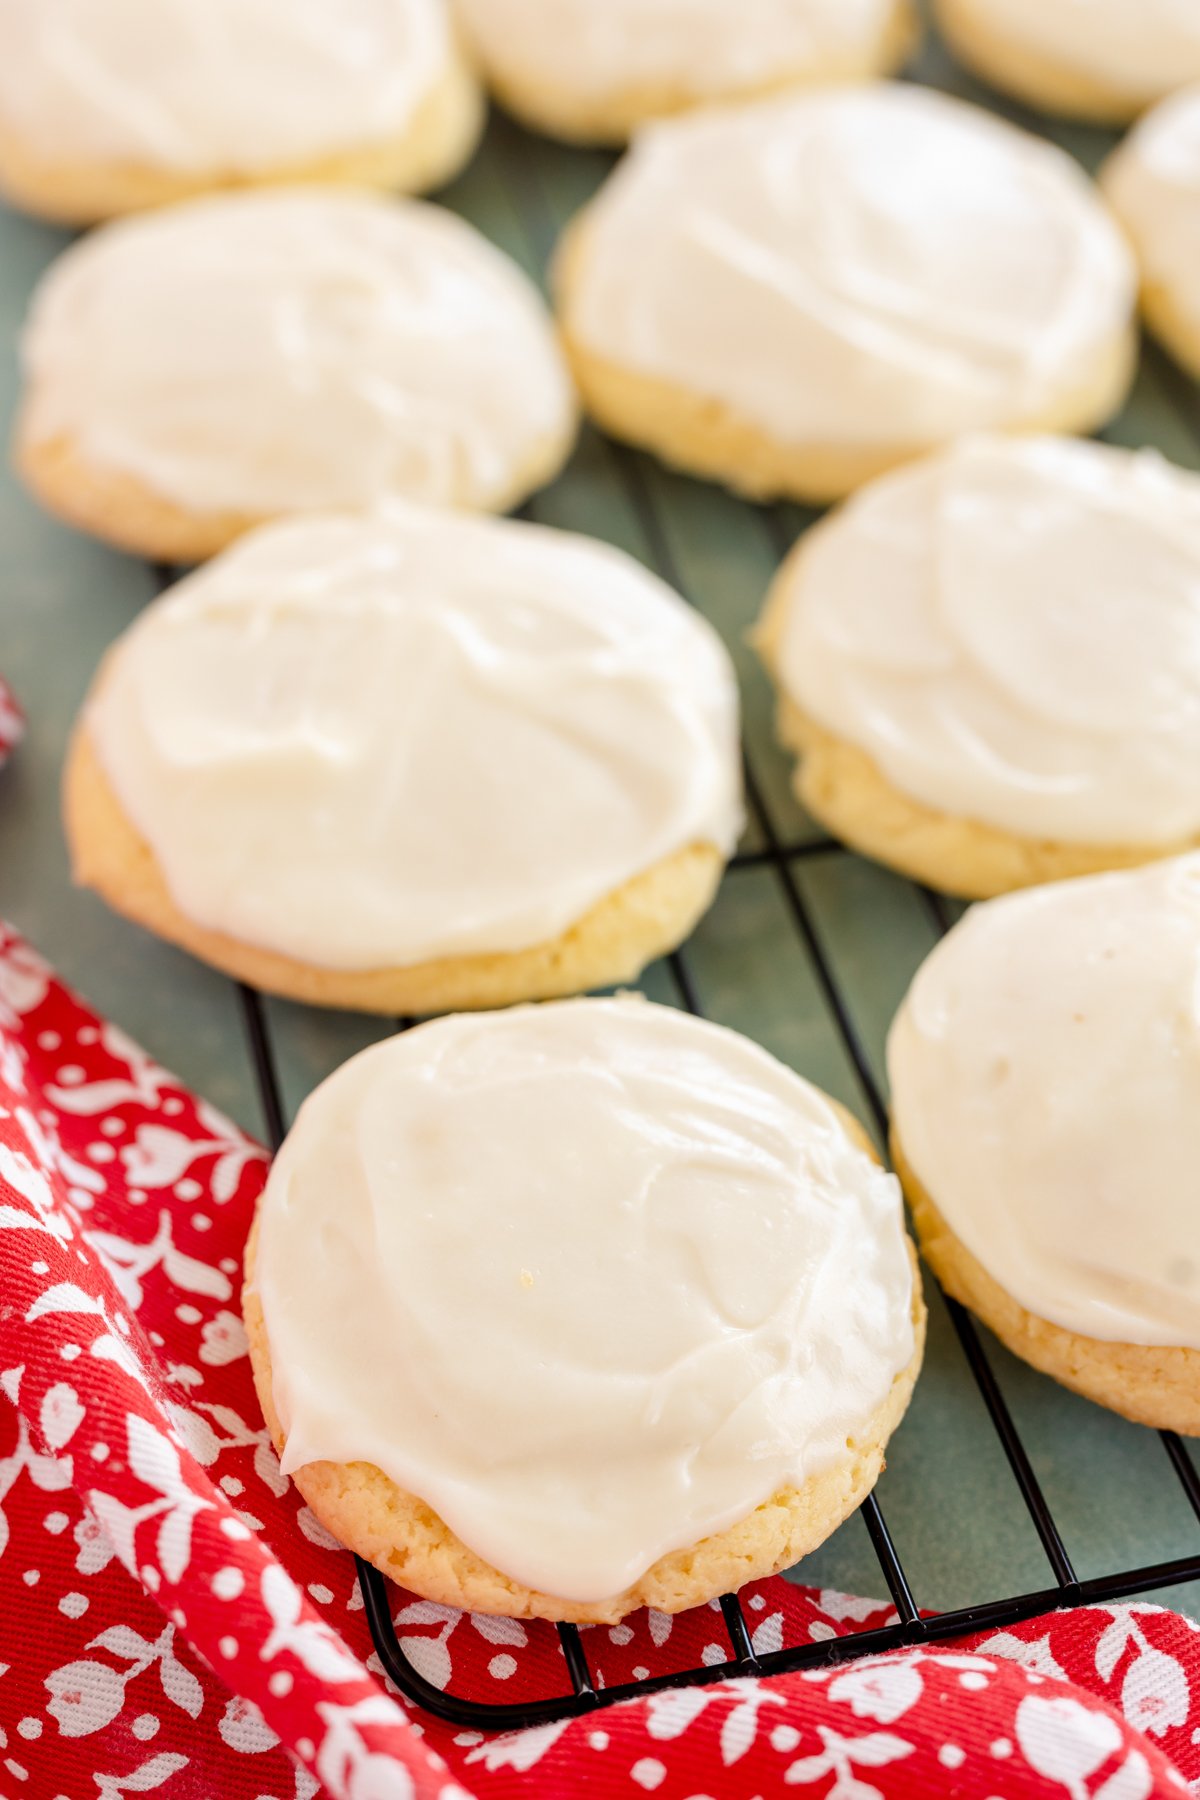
174	1621
12	720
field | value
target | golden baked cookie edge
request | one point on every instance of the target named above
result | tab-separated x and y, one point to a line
609	946
405	1539
844	789
1149	1384
703	436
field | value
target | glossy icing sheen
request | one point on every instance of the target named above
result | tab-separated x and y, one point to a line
365	743
1011	630
1045	1073
194	85
866	265
300	348
1153	181
1143	47
645	1276
701	48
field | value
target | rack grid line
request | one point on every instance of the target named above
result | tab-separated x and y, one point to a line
912	1628
784	856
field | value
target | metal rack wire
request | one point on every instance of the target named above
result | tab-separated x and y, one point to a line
912	1627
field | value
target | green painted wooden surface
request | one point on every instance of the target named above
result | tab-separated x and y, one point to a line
947	1493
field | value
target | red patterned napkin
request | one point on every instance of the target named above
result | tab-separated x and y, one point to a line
173	1621
12	720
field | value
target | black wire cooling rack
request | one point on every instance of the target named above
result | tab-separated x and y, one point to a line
537	207
581	1692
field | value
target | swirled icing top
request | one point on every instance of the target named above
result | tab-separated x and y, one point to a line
684	49
1045	1073
296	349
230	85
367	742
1011	630
1153	183
859	266
647	1277
1144	49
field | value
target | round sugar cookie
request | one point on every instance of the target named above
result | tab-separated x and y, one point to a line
592	71
411	762
108	108
1152	182
1045	1077
988	663
194	371
794	295
1102	60
614	1310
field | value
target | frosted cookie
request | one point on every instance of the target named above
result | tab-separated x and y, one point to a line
613	1310
794	295
593	70
1103	60
412	762
989	663
197	370
1045	1074
105	109
1152	182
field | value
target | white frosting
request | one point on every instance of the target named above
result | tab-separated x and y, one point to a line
1142	48
1153	180
235	86
597	50
868	265
601	1278
1045	1073
293	349
364	743
1011	630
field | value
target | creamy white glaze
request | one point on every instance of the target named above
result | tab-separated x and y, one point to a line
600	50
223	85
297	348
1011	630
1143	48
601	1278
1153	181
867	265
364	743
1045	1073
